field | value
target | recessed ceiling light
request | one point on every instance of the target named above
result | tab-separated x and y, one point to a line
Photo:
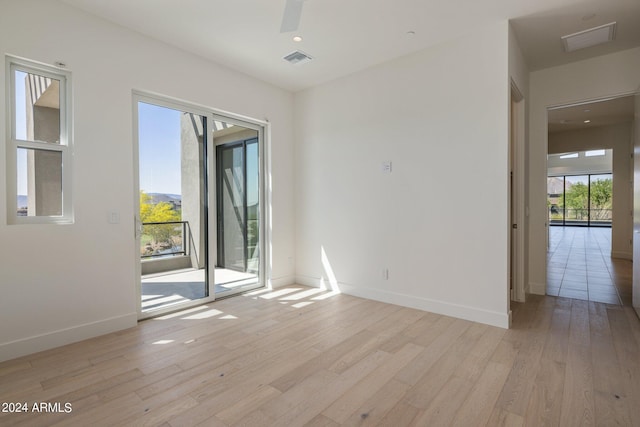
587	121
411	33
297	38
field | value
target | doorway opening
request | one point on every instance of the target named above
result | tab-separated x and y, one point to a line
589	175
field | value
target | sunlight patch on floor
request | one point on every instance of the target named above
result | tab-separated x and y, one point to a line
302	304
182	312
279	293
204	315
172	299
302	295
161	342
325	296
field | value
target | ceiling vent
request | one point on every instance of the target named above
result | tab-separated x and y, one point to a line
590	37
297	58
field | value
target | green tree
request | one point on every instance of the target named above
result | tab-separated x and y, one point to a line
159	212
601	198
577	199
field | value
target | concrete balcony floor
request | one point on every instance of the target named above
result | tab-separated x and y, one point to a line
176	287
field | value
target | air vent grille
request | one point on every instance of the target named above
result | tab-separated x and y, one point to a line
590	37
297	58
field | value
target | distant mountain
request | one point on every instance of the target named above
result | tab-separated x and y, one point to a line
162	197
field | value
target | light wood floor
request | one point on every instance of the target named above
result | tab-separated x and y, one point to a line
300	356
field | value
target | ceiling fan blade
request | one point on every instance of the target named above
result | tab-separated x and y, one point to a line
291	16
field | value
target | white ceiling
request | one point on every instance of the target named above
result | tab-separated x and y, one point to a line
599	113
344	36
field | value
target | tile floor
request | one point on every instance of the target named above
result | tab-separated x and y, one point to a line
579	265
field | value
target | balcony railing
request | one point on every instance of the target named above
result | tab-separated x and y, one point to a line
163	239
559	216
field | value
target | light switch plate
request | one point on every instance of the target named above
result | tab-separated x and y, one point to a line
114	217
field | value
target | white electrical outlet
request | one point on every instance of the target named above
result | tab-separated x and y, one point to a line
385	166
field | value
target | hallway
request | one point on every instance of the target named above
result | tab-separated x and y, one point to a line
579	266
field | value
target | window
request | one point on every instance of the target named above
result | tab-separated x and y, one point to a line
39	144
585	200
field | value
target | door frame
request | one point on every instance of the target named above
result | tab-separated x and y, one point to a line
211	114
517	240
542	290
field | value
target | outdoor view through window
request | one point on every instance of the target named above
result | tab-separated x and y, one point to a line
39	160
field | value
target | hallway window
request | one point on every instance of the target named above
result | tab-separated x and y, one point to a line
580	200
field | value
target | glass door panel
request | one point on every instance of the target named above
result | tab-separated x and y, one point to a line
576	200
555	199
172	229
231	237
600	199
238	211
253	207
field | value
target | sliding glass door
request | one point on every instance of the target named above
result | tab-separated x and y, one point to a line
200	194
238	212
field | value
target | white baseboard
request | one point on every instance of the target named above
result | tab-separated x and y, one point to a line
538	288
34	344
312	282
622	255
278	282
492	318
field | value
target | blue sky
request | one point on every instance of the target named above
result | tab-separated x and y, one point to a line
159	149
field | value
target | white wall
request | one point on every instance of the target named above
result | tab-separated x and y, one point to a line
619	138
601	77
438	222
60	284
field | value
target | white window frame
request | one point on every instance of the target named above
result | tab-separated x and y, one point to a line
14	144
